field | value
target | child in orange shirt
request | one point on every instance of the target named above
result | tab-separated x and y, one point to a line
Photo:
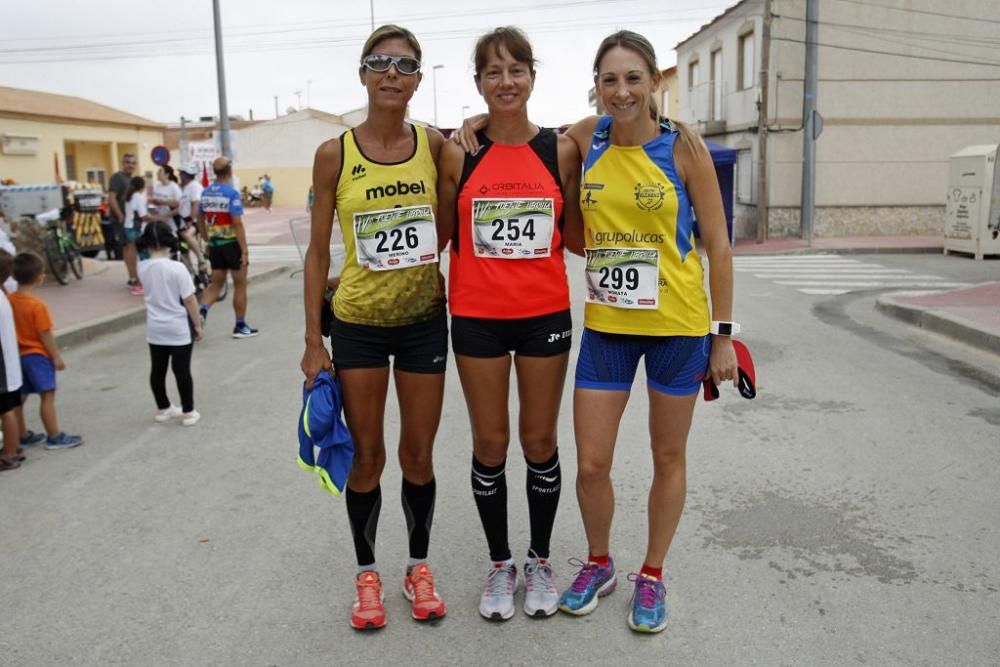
40	358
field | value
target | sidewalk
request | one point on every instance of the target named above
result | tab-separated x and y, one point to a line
970	315
100	303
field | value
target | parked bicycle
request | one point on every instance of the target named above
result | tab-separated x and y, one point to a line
60	249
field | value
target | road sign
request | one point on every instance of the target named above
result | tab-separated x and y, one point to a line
160	155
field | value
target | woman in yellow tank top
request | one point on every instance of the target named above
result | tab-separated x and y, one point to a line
381	180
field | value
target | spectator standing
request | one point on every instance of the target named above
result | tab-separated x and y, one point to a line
136	217
40	358
268	189
10	375
190	202
166	193
221	223
118	189
172	323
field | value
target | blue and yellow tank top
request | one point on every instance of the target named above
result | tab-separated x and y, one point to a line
644	275
386	212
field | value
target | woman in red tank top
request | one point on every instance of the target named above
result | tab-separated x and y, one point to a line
503	210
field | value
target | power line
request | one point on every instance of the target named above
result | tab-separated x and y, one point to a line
902	42
313	26
949	38
978	19
889	53
299	43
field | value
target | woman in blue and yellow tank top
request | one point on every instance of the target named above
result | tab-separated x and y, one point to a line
645	298
380	179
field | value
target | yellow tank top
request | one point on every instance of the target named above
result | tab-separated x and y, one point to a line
393	296
644	274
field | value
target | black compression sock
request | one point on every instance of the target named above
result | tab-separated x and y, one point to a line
418	506
489	488
362	512
543	486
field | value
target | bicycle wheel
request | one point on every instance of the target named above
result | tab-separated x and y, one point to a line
57	262
73	257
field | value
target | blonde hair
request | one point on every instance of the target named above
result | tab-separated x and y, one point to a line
635	42
390	31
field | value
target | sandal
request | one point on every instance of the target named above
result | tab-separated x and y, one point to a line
9	464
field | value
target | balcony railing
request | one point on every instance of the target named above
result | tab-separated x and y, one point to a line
707	102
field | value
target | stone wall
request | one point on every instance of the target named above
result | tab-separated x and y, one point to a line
861	221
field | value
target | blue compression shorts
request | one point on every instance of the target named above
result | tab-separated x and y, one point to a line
675	365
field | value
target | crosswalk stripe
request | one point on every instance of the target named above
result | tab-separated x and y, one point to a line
841	283
848	276
865	271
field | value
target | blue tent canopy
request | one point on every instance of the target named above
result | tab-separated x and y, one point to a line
724	159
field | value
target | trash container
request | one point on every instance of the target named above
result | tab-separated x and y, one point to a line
972	205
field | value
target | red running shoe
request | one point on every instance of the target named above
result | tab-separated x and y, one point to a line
418	587
368	612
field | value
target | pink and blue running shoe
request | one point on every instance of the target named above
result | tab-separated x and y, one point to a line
649	604
593	581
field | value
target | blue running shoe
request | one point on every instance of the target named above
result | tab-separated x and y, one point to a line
62	441
649	604
244	331
32	438
593	581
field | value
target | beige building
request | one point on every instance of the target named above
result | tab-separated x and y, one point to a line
47	138
900	88
284	148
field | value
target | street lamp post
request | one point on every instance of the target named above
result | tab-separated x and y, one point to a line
434	80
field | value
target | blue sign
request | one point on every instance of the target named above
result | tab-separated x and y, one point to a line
160	156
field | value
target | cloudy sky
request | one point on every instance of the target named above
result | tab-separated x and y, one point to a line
156	59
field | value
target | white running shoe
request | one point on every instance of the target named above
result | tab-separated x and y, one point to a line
190	418
541	598
497	600
167	414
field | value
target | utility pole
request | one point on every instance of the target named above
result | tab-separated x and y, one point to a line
221	73
808	206
275	106
184	141
434	78
763	118
371	7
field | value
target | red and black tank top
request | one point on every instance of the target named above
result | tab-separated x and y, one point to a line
507	248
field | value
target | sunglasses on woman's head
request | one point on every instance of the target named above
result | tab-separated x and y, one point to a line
381	63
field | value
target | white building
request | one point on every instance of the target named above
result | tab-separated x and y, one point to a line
902	85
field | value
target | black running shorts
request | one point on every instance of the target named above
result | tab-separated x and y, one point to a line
226	256
540	336
416	348
10	400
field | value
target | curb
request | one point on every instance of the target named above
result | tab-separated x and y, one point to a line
87	331
952	326
915	250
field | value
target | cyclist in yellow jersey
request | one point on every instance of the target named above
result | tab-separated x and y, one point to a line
381	180
645	298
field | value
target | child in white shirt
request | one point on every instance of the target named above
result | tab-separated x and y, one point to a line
172	322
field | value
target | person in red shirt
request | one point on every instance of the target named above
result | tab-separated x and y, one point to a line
40	358
503	210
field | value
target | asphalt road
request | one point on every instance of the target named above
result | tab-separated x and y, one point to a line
845	516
